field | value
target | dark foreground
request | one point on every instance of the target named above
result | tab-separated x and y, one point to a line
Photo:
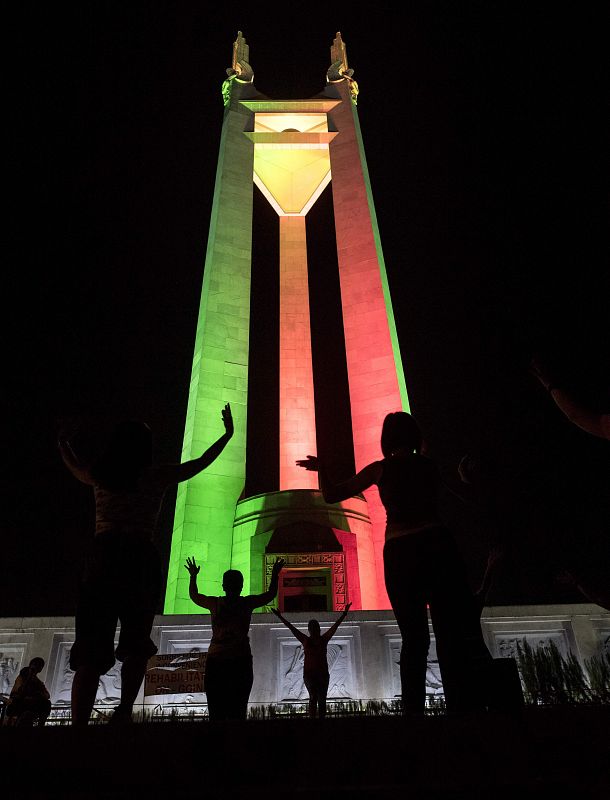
562	751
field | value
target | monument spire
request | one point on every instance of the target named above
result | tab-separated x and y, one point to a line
339	68
240	69
291	150
240	63
338	53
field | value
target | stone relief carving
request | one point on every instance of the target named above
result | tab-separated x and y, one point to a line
291	672
10	664
434	683
183	640
340	672
109	690
292	657
506	646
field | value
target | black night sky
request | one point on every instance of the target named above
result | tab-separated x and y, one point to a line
486	148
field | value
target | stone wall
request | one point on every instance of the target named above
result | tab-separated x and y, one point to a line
363	655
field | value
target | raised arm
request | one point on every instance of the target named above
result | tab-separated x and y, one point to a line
335	492
333	629
176	473
199	599
80	471
294	631
587	419
258	600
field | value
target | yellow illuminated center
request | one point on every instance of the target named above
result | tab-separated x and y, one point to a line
291	159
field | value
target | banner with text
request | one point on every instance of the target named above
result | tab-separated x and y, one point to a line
176	673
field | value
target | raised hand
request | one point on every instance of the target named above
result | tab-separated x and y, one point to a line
311	463
541	371
227	419
279	563
191	566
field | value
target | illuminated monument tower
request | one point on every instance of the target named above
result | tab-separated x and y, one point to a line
291	149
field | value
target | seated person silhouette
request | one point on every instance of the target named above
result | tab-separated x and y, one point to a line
315	669
228	670
29	699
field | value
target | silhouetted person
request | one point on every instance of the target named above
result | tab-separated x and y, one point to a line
122	579
315	668
422	565
29	699
228	669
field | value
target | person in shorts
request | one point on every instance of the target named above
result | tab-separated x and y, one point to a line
123	576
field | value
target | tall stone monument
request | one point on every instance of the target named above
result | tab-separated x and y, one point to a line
291	149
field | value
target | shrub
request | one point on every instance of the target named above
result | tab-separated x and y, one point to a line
550	679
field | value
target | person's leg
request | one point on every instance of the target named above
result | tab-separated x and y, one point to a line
412	620
134	649
323	691
247	686
312	689
227	685
403	577
25	713
242	680
25	718
216	704
133	670
216	689
92	653
13	711
460	645
84	690
44	709
138	592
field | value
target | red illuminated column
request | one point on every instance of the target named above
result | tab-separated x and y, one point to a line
371	366
297	412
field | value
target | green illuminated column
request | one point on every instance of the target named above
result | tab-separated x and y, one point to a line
205	506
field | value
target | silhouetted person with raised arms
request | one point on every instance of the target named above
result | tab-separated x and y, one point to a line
228	669
316	675
29	699
122	579
422	564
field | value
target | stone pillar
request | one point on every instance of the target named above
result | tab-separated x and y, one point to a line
375	375
205	505
297	411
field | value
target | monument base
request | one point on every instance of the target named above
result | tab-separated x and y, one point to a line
363	655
